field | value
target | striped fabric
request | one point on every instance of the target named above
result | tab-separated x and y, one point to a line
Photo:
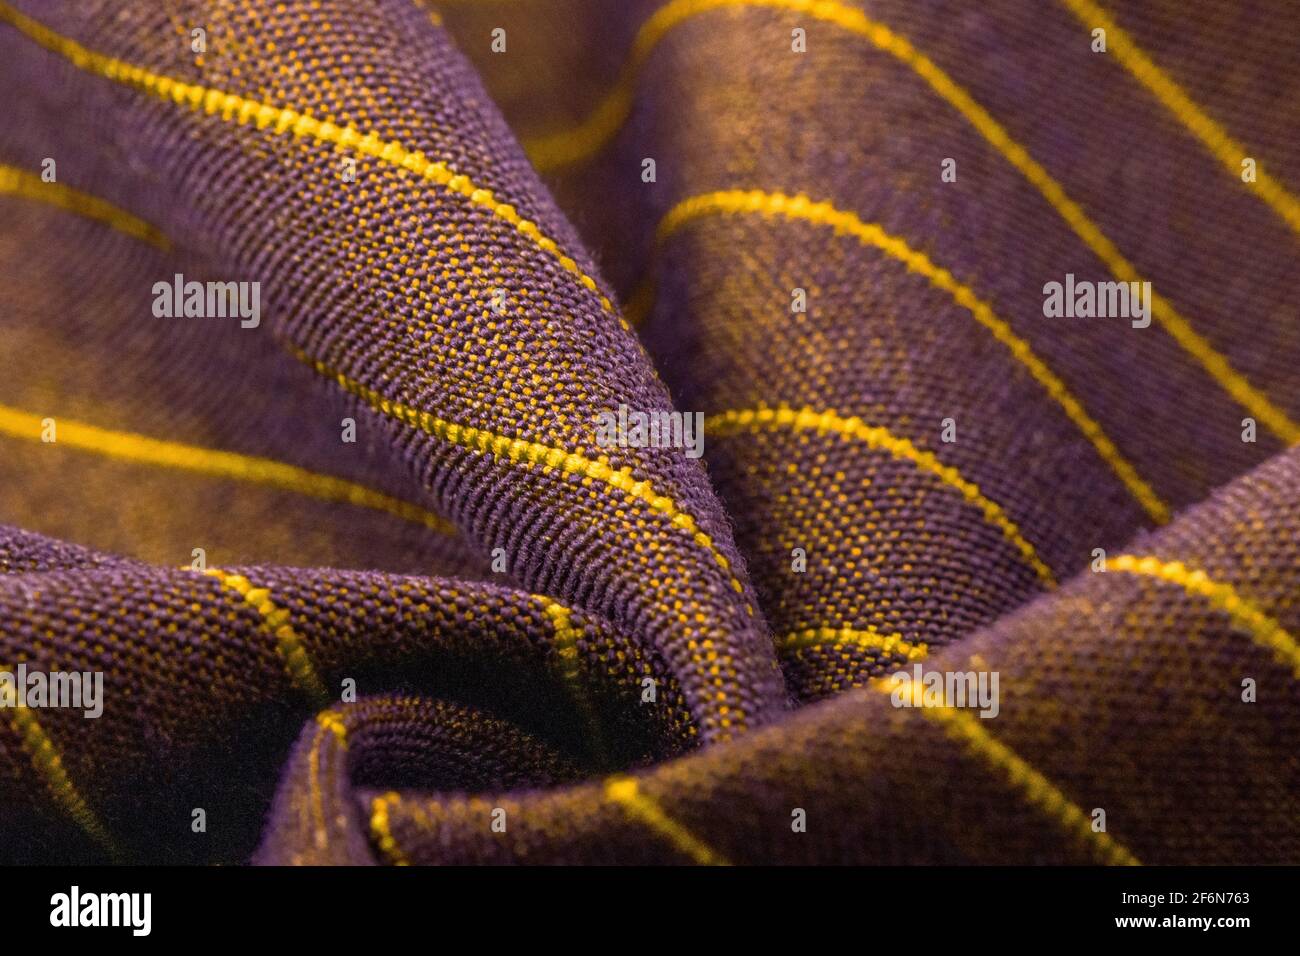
364	577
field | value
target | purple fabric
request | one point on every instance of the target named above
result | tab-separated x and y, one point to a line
366	583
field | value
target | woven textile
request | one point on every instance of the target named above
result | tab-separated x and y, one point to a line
367	578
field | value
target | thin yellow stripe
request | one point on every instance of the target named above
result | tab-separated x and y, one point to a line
275	621
245	112
769	204
807	419
1263	630
1039	791
869	638
381	828
528	452
593	133
566	637
966	729
332	722
1213	137
20	182
566	649
625	792
49	764
127	446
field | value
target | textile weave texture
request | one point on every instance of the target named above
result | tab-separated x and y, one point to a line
368	584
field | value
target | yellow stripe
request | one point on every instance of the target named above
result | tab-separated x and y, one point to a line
625	792
1038	790
801	207
245	112
126	446
594	132
566	649
566	636
380	827
870	639
1212	136
967	730
529	453
275	621
1263	630
332	722
49	764
20	182
807	419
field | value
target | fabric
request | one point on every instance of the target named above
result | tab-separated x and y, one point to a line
364	576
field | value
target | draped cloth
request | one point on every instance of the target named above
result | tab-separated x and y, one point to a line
367	583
